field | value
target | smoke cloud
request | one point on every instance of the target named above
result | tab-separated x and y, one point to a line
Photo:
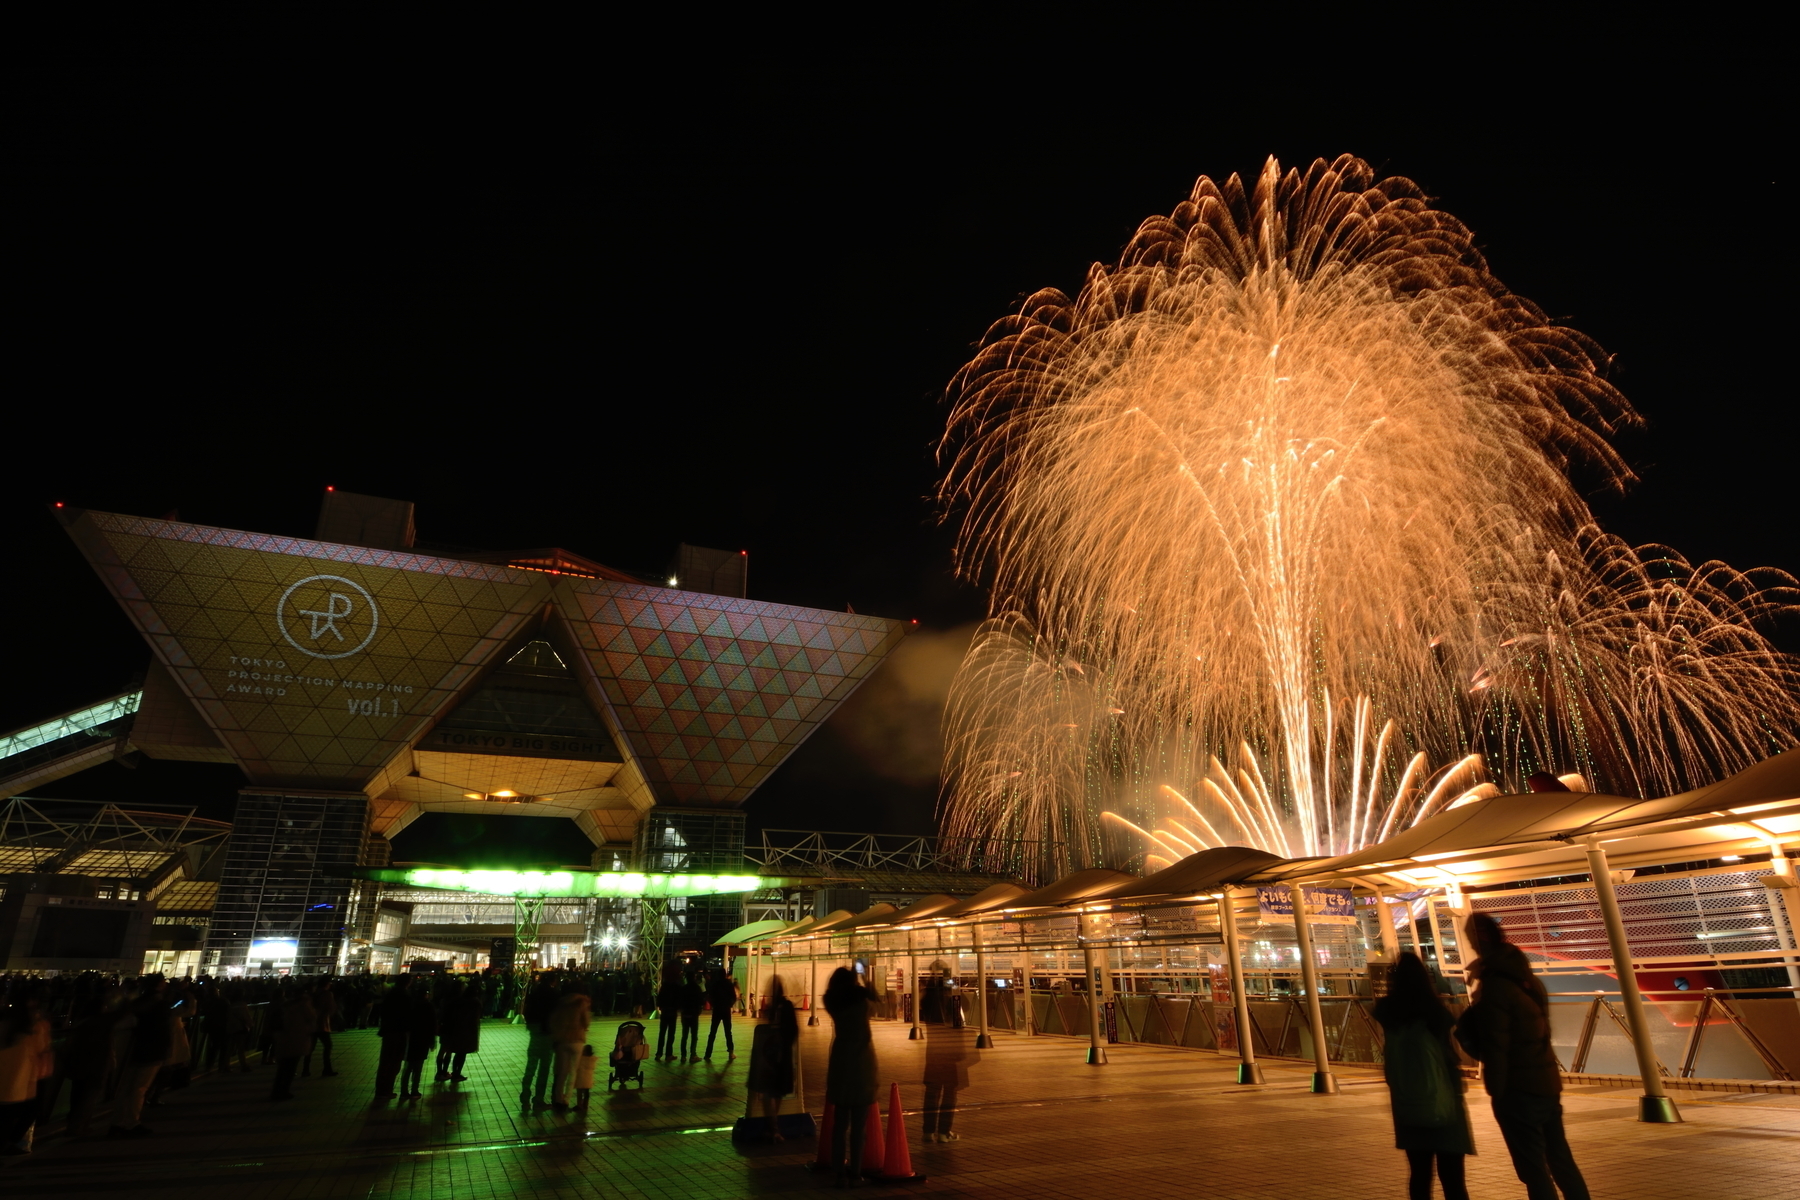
894	722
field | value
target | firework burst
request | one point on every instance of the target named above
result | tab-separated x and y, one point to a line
1284	551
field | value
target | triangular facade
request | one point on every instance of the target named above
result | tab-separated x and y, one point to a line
316	665
712	693
332	667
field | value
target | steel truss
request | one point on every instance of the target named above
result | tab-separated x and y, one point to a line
814	852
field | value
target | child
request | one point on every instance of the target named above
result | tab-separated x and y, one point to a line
584	1077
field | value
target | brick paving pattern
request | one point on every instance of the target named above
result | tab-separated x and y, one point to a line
1036	1122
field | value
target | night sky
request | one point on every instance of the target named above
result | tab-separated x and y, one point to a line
611	302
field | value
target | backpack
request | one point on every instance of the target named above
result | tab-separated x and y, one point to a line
1419	1079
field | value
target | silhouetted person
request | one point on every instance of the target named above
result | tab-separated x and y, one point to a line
1431	1121
294	1041
460	1031
540	1051
88	1060
722	994
146	1050
326	1008
850	1071
421	1039
947	1056
1508	1029
692	999
239	1028
392	1017
772	1053
668	1011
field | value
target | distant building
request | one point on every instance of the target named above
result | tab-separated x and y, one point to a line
361	679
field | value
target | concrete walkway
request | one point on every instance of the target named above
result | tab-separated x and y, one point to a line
1036	1124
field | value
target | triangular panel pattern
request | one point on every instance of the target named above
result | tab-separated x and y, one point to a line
710	692
315	664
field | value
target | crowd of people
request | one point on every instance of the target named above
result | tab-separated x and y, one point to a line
119	1044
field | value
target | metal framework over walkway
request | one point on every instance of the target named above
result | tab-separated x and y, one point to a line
1217	930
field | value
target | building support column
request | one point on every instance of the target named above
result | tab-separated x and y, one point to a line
1096	1055
982	1040
1323	1081
1249	1071
1654	1105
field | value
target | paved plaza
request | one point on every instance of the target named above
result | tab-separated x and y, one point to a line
1036	1122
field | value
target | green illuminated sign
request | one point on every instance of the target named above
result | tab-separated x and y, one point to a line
624	884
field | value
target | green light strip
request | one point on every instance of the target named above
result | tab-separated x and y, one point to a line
575	884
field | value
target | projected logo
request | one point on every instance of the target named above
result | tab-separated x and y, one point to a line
327	616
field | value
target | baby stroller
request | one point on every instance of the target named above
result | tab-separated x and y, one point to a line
627	1058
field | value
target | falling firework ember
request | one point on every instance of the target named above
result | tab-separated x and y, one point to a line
1283	548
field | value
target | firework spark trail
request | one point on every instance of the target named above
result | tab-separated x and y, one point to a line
1290	486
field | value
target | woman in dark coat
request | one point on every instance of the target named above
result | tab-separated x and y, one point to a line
460	1031
1431	1122
668	1011
1507	1029
692	999
421	1039
850	1072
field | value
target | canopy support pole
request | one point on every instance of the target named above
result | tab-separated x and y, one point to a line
1654	1105
982	1040
1249	1071
1096	1055
912	967
1323	1081
1412	929
1384	918
812	990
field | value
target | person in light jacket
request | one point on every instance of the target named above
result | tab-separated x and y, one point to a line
24	1052
569	1033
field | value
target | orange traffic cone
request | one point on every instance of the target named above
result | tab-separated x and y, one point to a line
874	1149
898	1167
822	1161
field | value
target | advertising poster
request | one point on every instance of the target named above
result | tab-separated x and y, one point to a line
1324	906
